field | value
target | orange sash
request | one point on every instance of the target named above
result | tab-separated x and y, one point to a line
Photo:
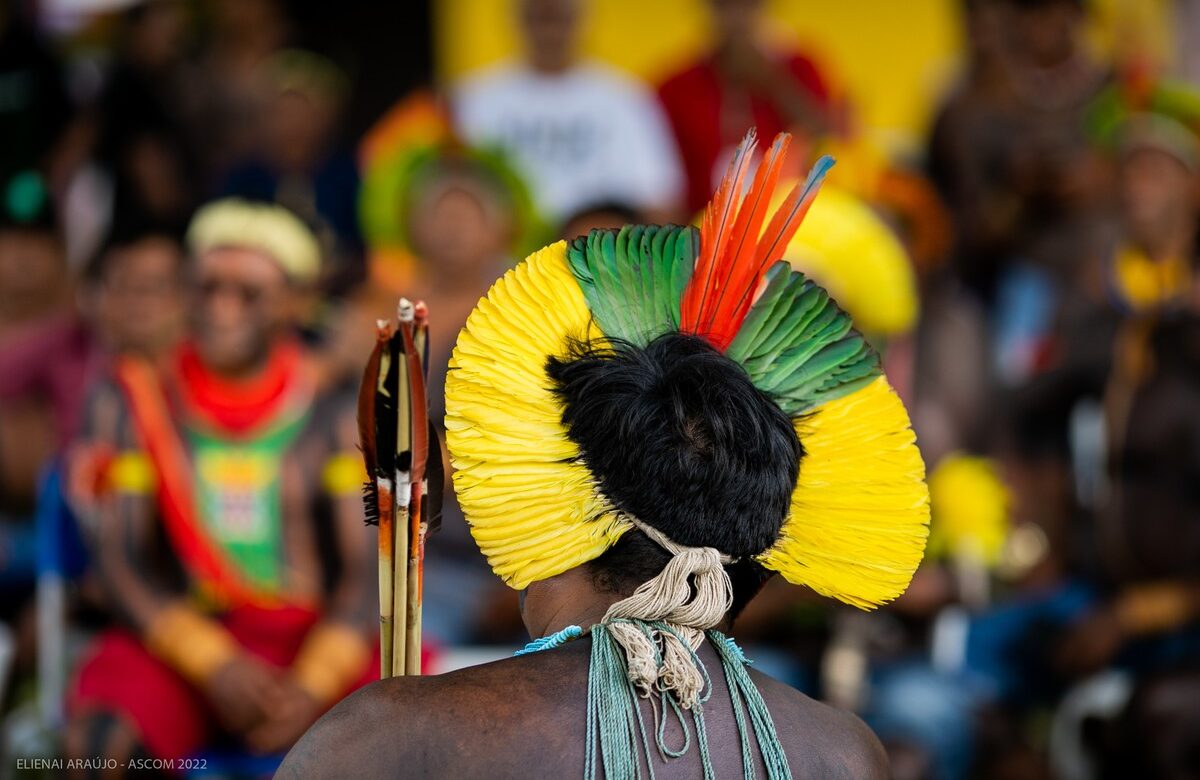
218	578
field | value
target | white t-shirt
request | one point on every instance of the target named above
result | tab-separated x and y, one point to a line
582	137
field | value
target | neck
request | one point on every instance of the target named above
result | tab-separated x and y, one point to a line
549	67
565	600
243	372
573	615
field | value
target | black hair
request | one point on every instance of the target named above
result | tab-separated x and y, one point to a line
623	211
679	437
127	232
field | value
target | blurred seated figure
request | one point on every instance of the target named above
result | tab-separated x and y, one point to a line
219	494
443	222
745	81
1140	270
579	131
44	357
1103	439
300	164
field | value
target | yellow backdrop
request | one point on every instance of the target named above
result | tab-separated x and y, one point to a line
893	58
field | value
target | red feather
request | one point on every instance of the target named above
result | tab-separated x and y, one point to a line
735	252
742	267
790	213
715	228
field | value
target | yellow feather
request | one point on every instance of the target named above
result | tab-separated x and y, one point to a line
530	500
860	511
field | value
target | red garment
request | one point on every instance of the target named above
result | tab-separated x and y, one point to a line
692	100
237	406
173	719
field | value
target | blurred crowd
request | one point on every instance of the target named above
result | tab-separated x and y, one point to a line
202	217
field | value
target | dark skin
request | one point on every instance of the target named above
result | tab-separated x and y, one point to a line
527	714
241	301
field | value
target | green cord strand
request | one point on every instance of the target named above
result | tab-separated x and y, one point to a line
616	729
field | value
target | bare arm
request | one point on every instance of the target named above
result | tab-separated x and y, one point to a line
347	736
119	521
353	600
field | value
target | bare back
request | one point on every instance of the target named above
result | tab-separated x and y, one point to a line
525	716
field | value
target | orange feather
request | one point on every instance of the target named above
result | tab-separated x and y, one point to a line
735	252
740	267
715	229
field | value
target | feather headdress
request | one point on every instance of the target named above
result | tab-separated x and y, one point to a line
859	513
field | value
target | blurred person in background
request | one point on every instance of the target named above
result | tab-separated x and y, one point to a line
967	144
1011	153
300	163
745	81
219	494
599	216
146	136
129	301
1142	302
44	357
244	36
1140	269
133	292
1153	132
444	222
1064	436
579	131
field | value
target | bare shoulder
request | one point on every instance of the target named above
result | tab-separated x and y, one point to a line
500	719
827	742
443	725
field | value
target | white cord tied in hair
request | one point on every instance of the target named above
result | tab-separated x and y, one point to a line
691	594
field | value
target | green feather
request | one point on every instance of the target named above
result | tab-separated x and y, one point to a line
799	347
629	271
662	249
812	363
804	308
645	261
796	405
683	262
633	279
760	317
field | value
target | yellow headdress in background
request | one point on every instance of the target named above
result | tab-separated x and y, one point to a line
264	227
